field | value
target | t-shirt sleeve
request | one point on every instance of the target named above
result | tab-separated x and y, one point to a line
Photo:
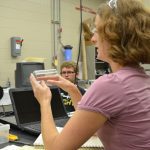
81	90
105	95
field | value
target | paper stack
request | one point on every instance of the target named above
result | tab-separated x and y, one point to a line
92	144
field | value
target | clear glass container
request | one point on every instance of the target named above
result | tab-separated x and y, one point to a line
39	73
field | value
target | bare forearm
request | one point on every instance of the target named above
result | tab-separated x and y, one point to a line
48	128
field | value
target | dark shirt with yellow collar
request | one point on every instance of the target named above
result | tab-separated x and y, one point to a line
67	99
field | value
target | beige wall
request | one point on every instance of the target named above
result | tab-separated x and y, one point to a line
31	20
70	18
147	4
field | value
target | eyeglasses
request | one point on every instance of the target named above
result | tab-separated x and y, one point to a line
67	72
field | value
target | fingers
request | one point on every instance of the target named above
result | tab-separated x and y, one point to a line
53	82
43	84
32	78
52	77
36	83
32	81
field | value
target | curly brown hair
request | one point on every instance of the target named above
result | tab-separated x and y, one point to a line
127	28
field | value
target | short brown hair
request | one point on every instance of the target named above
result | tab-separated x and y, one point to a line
127	28
69	64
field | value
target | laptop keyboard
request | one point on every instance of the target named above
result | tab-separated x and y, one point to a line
35	127
61	122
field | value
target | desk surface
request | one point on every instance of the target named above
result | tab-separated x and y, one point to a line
25	138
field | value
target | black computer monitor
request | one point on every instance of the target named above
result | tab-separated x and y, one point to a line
23	71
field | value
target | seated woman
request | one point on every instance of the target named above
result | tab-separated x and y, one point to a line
116	105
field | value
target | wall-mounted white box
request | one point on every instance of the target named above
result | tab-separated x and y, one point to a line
4	133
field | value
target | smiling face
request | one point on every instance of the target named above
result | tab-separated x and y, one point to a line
101	44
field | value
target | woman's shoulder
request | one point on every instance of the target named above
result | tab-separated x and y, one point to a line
122	75
106	83
109	78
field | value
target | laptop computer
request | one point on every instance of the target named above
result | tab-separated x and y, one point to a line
27	109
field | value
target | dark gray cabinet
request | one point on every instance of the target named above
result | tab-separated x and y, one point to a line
101	67
95	67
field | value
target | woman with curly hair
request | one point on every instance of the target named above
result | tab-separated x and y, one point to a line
117	105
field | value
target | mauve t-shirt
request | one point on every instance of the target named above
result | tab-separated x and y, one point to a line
124	98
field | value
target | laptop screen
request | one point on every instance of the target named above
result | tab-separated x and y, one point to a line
27	108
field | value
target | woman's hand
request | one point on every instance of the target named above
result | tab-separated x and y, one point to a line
64	84
41	91
58	81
